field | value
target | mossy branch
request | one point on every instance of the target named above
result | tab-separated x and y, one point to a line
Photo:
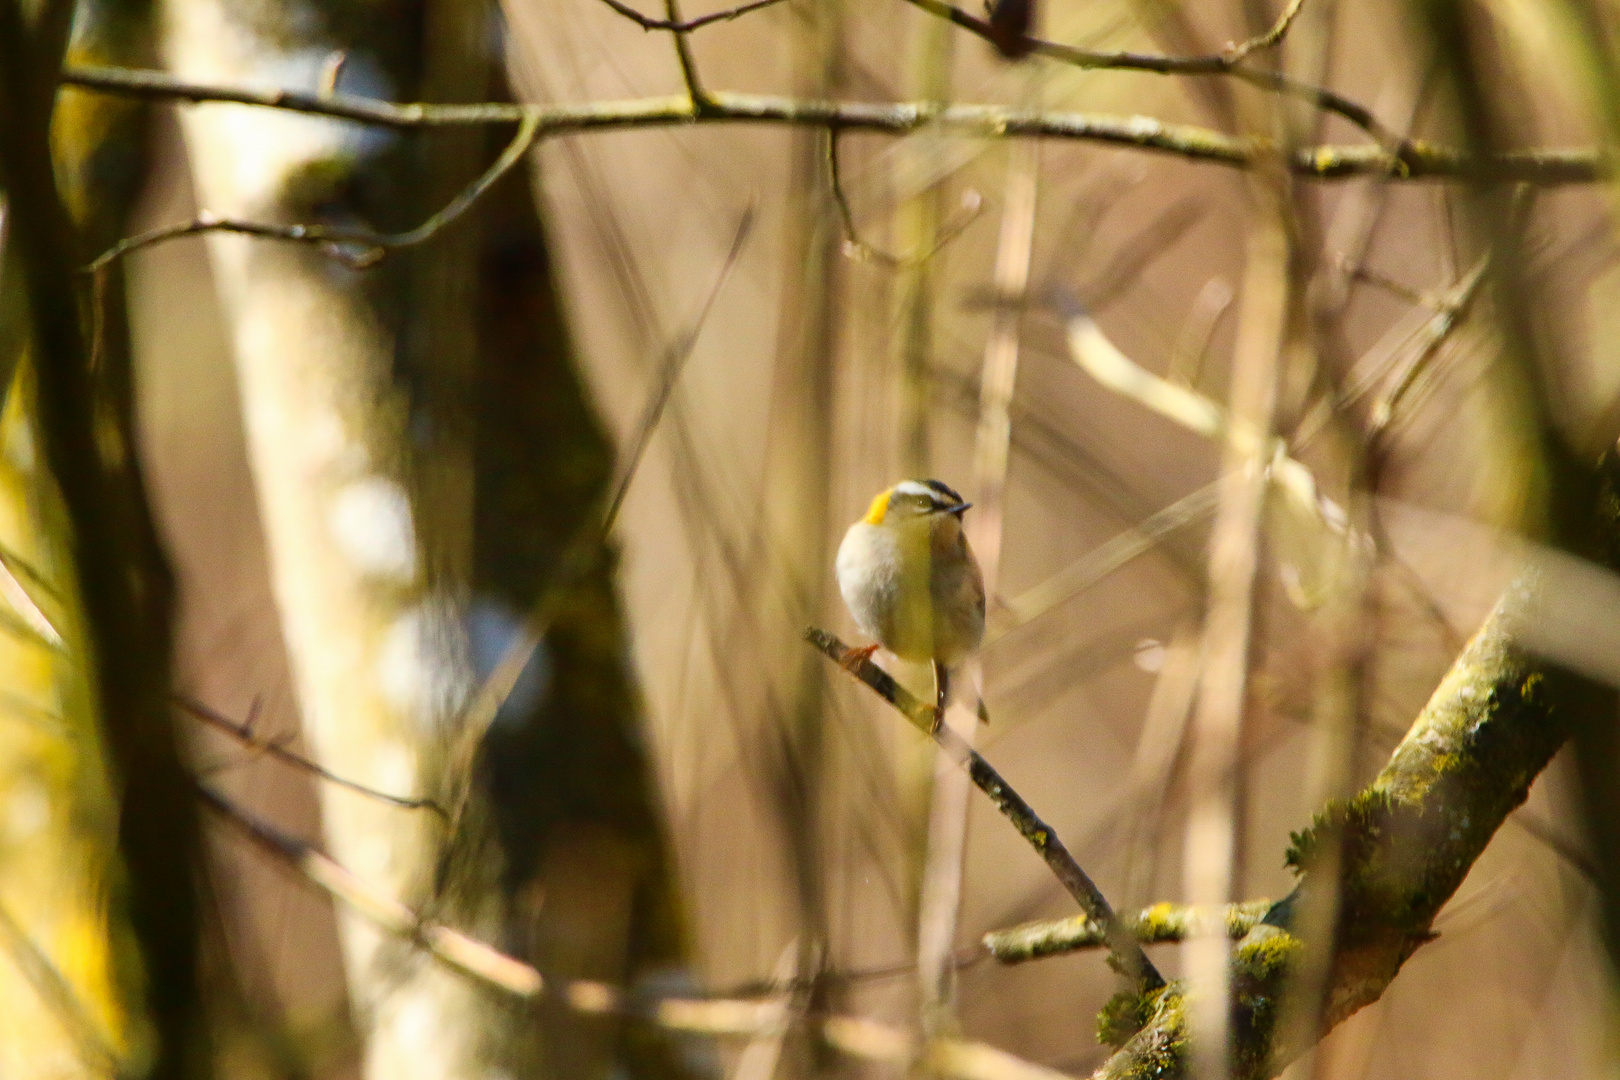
1125	952
1413	160
1150	926
1405	844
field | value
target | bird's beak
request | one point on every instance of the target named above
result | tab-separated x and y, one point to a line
960	510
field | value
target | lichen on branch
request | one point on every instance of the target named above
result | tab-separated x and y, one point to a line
1404	845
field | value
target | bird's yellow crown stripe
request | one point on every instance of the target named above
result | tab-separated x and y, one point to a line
879	507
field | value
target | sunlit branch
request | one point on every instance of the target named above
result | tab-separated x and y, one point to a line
244	733
1091	350
453	948
1152	925
687	26
1107	557
13	569
856	1036
1270	37
1413	161
1406	842
1126	954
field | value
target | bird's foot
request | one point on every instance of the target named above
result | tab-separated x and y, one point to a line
854	658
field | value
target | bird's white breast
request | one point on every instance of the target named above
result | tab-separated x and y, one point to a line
868	568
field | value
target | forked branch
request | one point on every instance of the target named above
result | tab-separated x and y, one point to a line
685	26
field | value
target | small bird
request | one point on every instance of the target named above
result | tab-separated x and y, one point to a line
1009	23
909	579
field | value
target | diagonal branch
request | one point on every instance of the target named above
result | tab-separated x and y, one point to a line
858	1037
1406	842
244	733
1125	953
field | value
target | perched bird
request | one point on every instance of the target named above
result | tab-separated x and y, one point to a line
1010	22
910	581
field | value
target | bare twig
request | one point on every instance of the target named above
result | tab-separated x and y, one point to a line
1093	352
580	553
683	53
451	947
1227	63
334	238
1126	954
1152	925
1107	557
860	250
1415	161
941	891
856	1036
244	733
687	26
1271	37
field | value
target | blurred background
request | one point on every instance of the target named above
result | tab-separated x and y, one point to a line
365	480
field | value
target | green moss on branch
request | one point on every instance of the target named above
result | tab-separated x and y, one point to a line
1151	925
1404	846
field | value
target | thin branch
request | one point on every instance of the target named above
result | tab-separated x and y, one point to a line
1271	37
1126	954
856	1036
581	551
1152	925
456	950
1451	307
683	53
1107	557
1414	161
859	250
685	27
338	239
244	733
1220	64
1100	358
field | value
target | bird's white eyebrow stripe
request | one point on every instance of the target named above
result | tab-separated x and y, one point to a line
938	495
912	487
